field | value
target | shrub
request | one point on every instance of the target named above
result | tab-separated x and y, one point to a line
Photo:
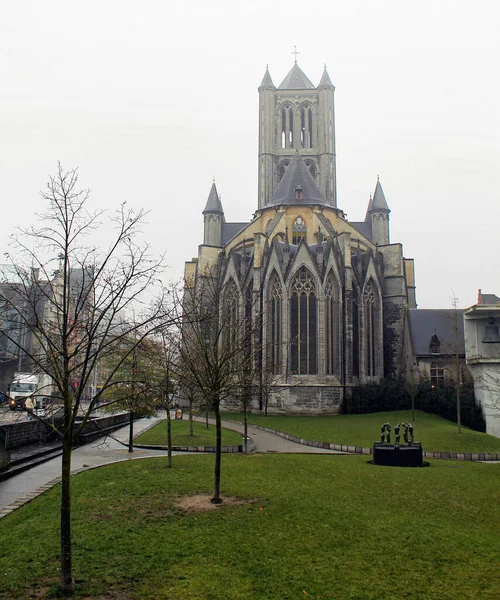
391	395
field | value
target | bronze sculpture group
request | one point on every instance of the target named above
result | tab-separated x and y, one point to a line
386	428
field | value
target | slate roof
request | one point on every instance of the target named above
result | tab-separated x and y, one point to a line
377	203
489	299
229	230
214	205
363	227
424	323
297	174
267	82
296	80
325	80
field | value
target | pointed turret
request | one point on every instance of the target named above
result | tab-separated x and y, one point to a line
296	80
326	81
214	205
297	186
379	202
267	82
378	214
213	218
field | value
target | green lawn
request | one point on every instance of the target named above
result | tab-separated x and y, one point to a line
435	433
323	527
157	436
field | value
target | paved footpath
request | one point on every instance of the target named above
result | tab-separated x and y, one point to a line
32	482
264	441
21	488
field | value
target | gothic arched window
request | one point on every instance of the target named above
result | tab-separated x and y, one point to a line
249	317
306	127
312	168
230	317
299	230
281	169
355	335
287	127
331	326
370	312
303	324
274	319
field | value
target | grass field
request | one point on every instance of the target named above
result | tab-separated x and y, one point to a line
323	527
435	433
157	436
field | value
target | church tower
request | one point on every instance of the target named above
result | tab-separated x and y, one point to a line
296	116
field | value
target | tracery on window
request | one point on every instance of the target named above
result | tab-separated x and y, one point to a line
331	326
287	127
249	318
355	336
230	316
312	168
274	318
370	328
303	309
306	127
299	230
282	169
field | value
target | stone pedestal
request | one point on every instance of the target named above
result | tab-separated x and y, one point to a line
398	456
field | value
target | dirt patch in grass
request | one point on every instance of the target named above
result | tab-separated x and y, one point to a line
201	502
109	596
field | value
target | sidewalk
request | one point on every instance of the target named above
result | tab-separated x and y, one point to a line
19	489
264	441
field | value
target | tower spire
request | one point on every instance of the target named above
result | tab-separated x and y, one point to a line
295	52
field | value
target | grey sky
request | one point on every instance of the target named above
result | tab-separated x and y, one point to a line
152	99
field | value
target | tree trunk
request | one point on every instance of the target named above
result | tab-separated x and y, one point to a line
413	409
218	455
131	432
191	433
169	439
206	418
67	583
459	416
245	427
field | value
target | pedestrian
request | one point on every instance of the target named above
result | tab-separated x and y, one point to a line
29	405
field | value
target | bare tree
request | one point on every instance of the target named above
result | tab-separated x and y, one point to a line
133	388
213	347
73	302
412	385
454	351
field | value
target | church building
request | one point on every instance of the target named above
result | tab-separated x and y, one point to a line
332	295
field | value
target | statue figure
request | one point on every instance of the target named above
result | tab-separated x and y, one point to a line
410	430
387	433
382	433
396	434
405	432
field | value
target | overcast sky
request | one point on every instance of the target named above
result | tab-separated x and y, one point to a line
152	99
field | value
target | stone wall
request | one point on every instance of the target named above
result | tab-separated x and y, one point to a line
39	432
27	432
311	399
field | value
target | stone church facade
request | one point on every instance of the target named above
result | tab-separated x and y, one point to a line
331	296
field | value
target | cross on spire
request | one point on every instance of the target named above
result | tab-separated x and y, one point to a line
295	52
